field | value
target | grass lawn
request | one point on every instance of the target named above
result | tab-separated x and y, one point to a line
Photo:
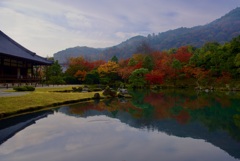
40	98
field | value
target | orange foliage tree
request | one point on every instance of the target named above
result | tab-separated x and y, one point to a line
125	71
78	63
201	75
80	75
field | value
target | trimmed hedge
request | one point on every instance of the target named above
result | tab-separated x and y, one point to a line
24	88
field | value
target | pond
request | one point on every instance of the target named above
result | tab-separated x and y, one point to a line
166	125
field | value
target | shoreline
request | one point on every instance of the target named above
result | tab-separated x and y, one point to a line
8	94
50	96
39	108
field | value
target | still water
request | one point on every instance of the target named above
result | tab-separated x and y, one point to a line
167	126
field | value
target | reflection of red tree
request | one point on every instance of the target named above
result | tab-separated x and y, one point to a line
183	117
161	104
80	109
223	101
196	103
130	108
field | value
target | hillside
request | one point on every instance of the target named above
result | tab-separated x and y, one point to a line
123	50
87	52
221	30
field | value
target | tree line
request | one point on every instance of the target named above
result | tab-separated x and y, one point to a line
212	65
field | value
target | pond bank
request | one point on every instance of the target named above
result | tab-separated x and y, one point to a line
37	108
15	103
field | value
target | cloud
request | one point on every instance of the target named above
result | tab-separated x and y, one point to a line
48	26
77	21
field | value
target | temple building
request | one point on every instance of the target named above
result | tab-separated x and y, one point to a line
18	64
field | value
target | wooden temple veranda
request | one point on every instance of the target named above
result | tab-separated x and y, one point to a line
18	65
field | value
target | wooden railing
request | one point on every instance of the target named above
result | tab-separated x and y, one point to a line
8	81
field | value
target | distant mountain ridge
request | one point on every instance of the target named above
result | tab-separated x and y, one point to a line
87	52
221	30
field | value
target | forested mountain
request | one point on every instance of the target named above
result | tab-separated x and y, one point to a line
221	30
125	49
87	52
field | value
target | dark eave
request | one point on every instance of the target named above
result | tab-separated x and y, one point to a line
11	48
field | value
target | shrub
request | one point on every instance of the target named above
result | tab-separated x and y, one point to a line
30	88
96	96
109	92
24	88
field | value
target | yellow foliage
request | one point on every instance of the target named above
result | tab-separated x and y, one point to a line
138	57
76	61
109	67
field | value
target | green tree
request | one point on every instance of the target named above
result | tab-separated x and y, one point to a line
132	62
176	65
172	51
206	54
114	59
137	78
148	63
213	57
237	62
92	77
54	74
233	50
235	45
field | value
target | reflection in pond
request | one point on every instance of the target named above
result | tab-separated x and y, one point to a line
151	126
9	127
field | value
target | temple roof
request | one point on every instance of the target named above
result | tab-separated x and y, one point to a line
10	47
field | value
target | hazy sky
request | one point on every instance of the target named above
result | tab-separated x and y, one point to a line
48	26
